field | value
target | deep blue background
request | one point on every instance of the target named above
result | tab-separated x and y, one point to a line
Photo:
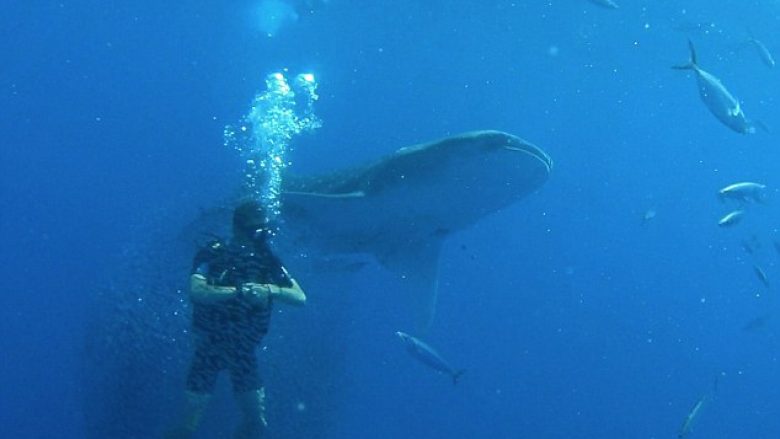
572	317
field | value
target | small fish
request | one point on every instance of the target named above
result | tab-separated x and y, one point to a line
695	412
689	27
609	4
763	52
687	426
751	245
428	356
745	192
721	103
756	323
761	275
731	218
649	215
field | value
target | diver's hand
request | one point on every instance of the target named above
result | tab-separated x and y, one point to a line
259	293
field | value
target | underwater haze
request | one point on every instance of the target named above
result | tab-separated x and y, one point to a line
623	297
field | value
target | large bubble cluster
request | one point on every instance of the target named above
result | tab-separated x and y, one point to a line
264	135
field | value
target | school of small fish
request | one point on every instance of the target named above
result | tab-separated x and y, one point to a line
740	199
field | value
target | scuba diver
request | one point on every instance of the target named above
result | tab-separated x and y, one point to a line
232	289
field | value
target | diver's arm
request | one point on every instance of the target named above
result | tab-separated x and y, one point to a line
292	295
203	292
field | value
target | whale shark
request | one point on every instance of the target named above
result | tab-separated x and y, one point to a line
400	208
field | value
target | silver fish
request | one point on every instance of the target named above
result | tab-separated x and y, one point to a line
731	218
751	245
745	192
693	415
763	51
649	215
761	275
695	412
691	27
609	4
428	356
756	323
721	103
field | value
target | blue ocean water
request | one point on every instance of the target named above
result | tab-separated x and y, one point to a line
572	314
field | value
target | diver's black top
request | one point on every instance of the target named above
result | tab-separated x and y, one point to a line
232	264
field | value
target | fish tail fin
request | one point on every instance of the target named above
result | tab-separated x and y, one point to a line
456	376
715	383
763	198
691	64
693	52
761	125
747	42
751	34
744	45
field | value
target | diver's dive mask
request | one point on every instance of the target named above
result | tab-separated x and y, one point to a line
252	223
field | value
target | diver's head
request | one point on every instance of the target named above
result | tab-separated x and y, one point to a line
251	223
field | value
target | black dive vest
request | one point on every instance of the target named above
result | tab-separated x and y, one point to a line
232	265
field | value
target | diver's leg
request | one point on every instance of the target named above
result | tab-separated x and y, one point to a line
195	404
201	381
253	424
249	393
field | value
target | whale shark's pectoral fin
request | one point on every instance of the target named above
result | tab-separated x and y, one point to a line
417	266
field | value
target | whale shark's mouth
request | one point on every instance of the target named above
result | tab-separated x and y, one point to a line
520	145
495	141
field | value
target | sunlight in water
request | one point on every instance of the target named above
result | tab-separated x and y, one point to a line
263	136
